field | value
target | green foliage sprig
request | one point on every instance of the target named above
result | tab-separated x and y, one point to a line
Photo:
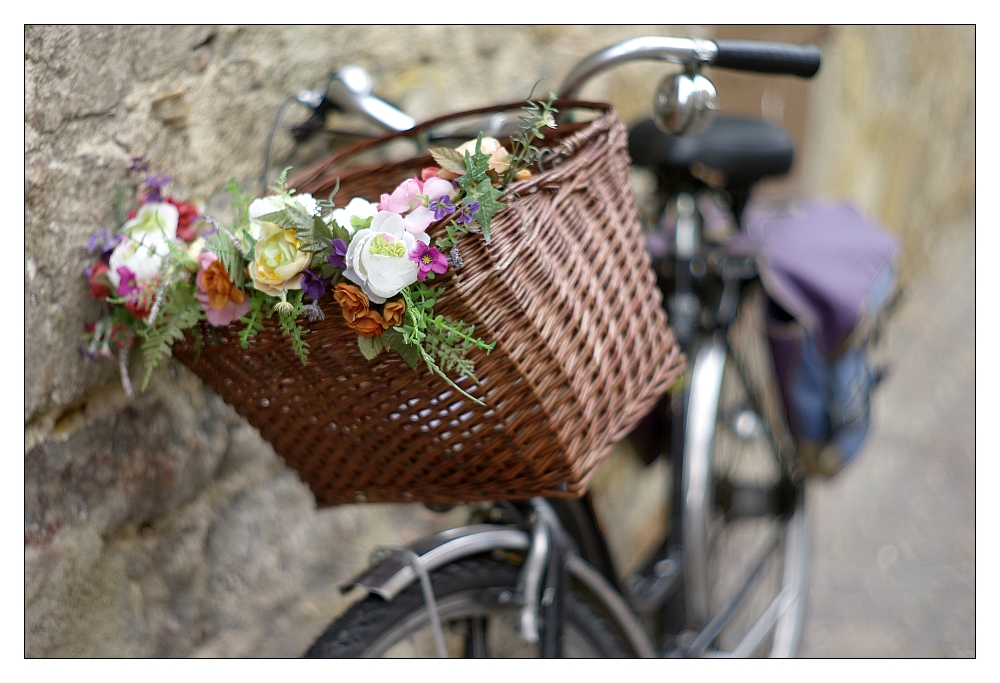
175	309
455	232
288	317
443	343
537	116
477	186
241	202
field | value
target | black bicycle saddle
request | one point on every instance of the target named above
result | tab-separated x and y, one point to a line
743	150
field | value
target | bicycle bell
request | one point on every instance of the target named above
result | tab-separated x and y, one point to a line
684	104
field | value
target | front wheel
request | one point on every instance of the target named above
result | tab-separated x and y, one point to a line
475	600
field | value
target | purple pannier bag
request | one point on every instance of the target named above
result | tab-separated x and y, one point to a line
830	275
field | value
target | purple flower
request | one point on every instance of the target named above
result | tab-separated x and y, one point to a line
103	239
138	165
313	285
441	207
338	259
429	259
155	183
468	210
128	284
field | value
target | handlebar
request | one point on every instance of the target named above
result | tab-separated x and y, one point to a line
768	58
743	55
349	89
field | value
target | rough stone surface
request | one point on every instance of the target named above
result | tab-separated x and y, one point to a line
164	525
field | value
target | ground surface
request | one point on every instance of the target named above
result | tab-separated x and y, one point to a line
894	552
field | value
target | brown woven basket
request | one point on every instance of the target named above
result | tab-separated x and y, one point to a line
566	290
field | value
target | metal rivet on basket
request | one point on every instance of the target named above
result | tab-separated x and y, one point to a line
413	401
286	408
394	416
264	403
425	412
332	426
457	447
360	497
407	495
313	420
345	429
434	424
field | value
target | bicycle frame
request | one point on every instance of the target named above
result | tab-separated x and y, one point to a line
560	539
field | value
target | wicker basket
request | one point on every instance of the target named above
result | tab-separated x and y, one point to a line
565	288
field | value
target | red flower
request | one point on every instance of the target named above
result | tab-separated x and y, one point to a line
188	214
100	286
141	301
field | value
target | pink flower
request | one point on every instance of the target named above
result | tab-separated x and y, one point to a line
127	283
403	198
428	259
217	316
418	220
429	172
435	188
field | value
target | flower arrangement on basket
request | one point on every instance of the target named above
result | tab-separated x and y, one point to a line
170	266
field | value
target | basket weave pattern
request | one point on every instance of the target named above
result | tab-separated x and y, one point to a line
583	350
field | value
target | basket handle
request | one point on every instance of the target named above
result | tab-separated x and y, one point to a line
565	147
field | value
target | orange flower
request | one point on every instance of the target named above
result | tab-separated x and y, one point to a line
353	302
369	325
393	313
215	282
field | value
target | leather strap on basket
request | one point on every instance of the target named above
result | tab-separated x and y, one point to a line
563	148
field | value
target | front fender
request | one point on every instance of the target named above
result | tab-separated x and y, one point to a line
393	574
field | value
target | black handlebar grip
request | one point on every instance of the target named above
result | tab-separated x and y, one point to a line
768	58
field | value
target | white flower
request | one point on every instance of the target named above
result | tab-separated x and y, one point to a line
265	205
145	243
378	258
357	207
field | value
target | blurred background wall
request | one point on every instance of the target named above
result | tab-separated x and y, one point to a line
164	525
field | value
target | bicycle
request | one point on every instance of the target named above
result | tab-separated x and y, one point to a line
536	577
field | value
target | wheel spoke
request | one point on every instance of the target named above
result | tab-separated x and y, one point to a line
722	617
475	638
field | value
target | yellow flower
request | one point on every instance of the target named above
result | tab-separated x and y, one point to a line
277	262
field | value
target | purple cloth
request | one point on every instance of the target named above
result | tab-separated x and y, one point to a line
823	262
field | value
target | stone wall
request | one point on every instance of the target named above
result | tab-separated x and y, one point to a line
164	525
893	129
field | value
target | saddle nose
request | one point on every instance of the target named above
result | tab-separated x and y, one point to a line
742	150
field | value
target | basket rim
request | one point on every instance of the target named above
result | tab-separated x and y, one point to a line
320	168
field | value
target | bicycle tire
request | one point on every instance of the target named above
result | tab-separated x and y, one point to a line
475	588
744	507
